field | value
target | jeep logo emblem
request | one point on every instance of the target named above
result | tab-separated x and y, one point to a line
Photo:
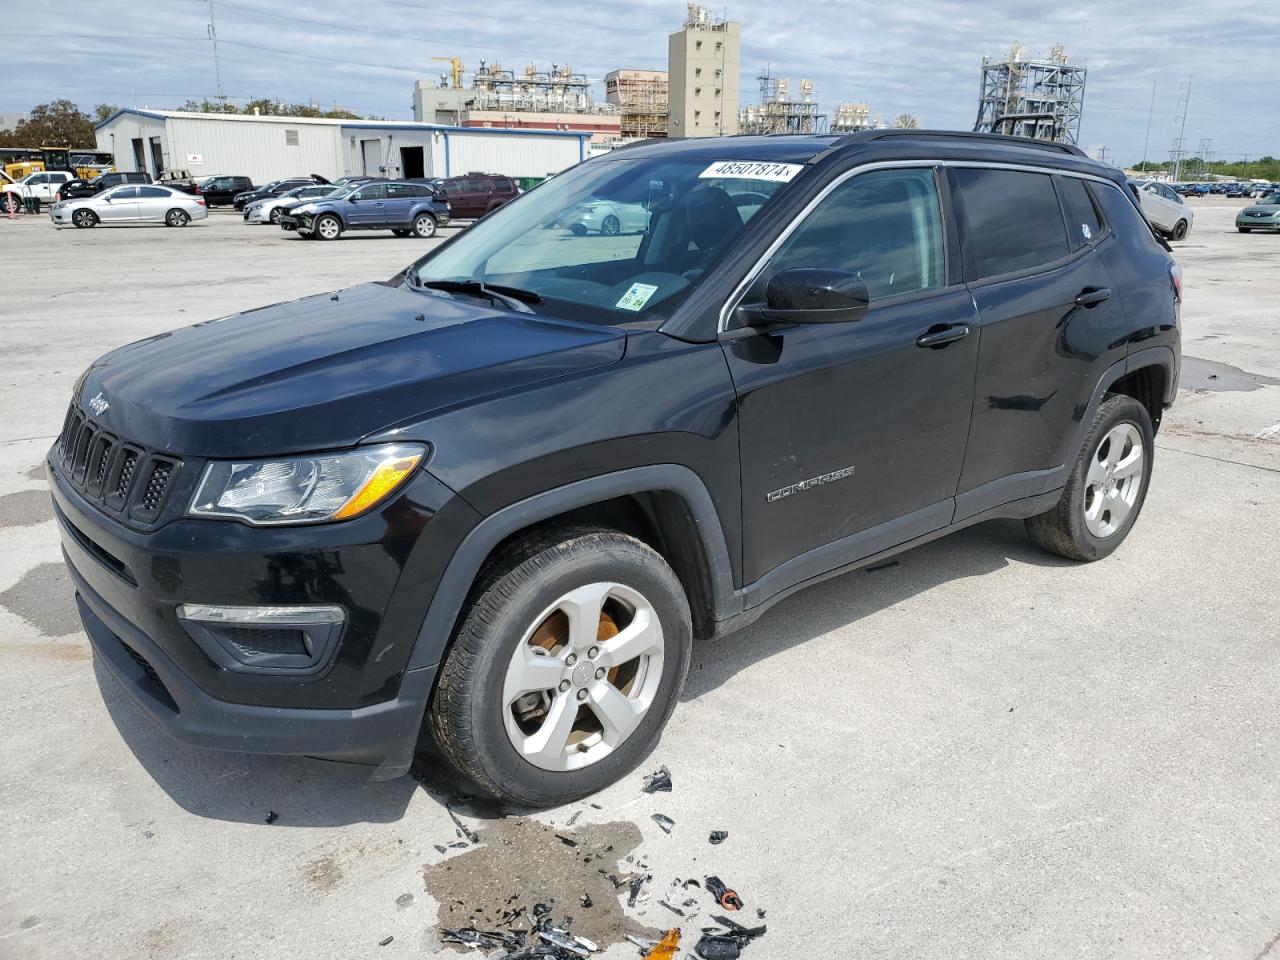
98	405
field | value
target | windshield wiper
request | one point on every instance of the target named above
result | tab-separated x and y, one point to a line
514	297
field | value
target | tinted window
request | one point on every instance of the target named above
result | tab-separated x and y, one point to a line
374	191
398	191
1010	221
477	186
885	226
123	193
135	178
1083	224
152	192
503	186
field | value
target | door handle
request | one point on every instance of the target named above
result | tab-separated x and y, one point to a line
1092	296
940	338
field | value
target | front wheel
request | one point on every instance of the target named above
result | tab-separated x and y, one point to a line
565	667
328	228
1244	229
177	218
424	227
1106	487
84	219
275	216
403	233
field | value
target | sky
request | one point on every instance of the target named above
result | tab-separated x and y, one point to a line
920	57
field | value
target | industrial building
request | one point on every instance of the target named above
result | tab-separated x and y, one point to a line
1028	97
703	60
641	99
267	148
779	112
555	99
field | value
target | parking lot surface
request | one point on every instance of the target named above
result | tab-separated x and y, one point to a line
981	751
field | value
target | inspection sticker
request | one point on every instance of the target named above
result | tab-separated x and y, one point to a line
636	296
752	170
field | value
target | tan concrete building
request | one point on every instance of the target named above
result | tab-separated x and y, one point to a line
703	61
641	99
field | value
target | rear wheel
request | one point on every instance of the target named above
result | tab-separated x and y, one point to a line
84	218
1180	230
1106	487
610	226
565	667
328	228
425	226
177	218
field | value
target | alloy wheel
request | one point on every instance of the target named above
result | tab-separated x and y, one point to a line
583	677
1113	480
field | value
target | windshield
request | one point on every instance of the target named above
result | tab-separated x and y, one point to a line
611	239
1270	201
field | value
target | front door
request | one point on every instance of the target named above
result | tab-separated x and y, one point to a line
853	434
368	206
118	204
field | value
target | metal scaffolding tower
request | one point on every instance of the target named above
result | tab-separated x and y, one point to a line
641	97
1038	98
558	90
778	112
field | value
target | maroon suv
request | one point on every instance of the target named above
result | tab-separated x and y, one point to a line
476	194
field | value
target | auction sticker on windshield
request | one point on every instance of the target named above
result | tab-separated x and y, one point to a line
636	296
752	170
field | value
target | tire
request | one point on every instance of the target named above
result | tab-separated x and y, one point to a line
1067	529
275	216
578	229
424	228
12	203
1179	230
516	608
177	218
1245	229
84	219
403	233
328	227
610	227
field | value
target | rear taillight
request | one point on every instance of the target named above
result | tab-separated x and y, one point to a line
1175	278
200	201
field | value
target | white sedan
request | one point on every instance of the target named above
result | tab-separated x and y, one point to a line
131	203
1167	211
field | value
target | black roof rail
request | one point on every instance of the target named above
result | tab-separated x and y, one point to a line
869	136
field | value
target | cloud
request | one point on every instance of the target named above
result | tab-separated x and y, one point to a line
921	58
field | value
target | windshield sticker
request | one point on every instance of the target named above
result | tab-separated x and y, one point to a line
752	170
636	296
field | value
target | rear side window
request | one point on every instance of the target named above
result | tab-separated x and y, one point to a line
1009	221
398	191
1083	225
504	186
152	193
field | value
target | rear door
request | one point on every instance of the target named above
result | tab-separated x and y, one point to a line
853	434
153	203
398	207
1050	323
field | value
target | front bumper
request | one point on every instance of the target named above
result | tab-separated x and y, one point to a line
60	215
1258	223
364	707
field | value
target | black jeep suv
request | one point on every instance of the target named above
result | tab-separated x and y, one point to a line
493	500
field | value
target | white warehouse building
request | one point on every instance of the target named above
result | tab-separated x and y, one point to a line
266	148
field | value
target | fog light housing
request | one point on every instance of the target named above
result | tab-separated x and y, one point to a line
295	640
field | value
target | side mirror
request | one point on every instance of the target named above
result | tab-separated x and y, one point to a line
813	295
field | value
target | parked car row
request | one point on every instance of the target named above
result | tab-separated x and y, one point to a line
1236	189
406	208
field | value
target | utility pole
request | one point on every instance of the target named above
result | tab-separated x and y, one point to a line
217	67
1146	142
1179	148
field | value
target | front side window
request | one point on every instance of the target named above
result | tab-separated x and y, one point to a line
884	227
611	239
1009	221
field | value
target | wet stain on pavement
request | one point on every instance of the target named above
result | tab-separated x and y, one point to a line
324	874
1200	374
44	598
37	473
24	508
520	863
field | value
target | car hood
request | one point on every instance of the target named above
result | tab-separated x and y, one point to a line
326	371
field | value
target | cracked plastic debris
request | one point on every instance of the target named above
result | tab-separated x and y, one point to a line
665	822
642	942
725	896
385	941
665	949
636	883
586	901
713	947
658	782
466	831
558	938
272	816
719	836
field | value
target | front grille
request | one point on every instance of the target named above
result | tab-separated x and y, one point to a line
119	476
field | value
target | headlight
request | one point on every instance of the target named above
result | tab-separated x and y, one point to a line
310	489
305	208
